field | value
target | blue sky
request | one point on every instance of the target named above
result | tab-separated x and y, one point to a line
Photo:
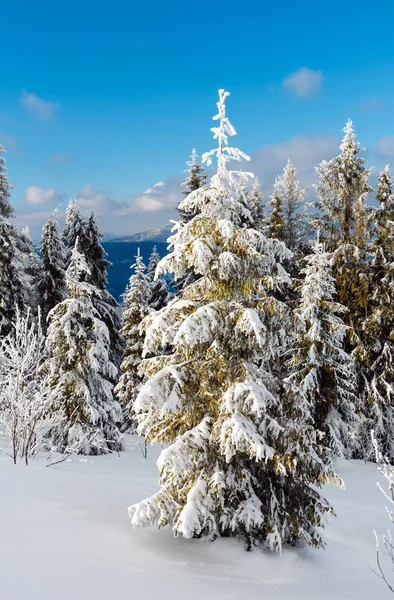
102	100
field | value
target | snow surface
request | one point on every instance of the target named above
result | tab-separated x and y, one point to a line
65	535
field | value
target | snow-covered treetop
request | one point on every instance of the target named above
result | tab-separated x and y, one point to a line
195	178
154	260
349	146
78	266
220	241
137	290
223	152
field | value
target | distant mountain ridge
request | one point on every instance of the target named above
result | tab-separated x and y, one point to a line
155	234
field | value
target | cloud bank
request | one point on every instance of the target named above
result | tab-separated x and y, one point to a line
38	108
157	204
303	82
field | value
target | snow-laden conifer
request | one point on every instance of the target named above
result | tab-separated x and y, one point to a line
275	221
6	209
105	304
18	261
234	462
287	219
79	370
52	283
255	205
195	175
195	179
322	379
344	223
136	309
375	348
74	227
159	295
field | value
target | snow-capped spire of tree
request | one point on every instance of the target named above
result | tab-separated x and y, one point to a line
342	191
74	227
229	467
322	379
6	209
287	220
52	283
344	222
79	370
159	295
195	178
224	153
136	309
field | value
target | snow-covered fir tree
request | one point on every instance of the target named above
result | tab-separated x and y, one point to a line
195	179
287	219
255	206
136	308
322	377
10	290
105	304
235	462
275	221
375	348
17	260
6	209
159	295
195	176
74	227
79	369
52	283
343	221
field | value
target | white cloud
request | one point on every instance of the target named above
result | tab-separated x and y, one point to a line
303	82
37	196
385	146
99	201
305	152
36	107
162	196
156	206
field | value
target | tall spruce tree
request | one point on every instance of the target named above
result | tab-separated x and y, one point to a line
343	222
235	464
194	180
74	227
52	284
322	376
79	370
287	220
136	308
275	221
375	350
16	260
255	206
103	301
159	295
